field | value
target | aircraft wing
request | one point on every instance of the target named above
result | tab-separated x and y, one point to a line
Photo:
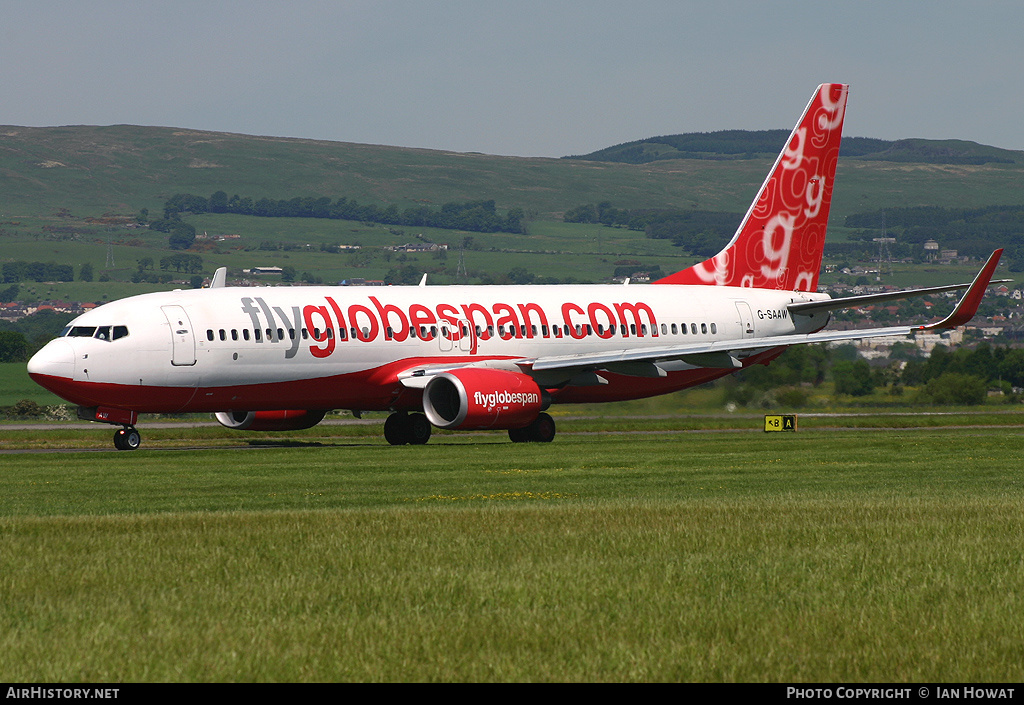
720	354
726	354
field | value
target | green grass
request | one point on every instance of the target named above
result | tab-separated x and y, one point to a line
719	556
15	385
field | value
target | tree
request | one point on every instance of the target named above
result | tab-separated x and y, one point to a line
218	202
853	378
85	273
13	347
955	388
182	236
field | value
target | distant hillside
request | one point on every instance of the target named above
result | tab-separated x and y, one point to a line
752	144
90	171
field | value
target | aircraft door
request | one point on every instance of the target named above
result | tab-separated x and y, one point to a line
746	319
183	339
459	337
467	336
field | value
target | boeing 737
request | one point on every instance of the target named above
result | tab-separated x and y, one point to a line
478	357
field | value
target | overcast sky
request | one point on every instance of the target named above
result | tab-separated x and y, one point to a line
514	77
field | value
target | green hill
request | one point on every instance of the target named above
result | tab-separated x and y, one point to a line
71	195
750	144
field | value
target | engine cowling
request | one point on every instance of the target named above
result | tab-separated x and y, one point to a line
284	420
479	398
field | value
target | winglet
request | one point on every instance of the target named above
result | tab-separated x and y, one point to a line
220	278
968	305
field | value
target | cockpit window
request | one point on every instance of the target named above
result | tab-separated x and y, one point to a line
107	333
82	331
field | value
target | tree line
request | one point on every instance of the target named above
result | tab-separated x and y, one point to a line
701	233
961	377
475	216
20	271
972	231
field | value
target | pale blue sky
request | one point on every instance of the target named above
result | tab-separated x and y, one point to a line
524	78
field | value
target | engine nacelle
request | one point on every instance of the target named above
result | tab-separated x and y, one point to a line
285	420
479	398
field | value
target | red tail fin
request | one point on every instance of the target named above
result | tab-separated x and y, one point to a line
780	242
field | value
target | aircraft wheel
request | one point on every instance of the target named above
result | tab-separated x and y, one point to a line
396	429
542	430
519	435
127	438
418	429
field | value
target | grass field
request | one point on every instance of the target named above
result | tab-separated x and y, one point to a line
719	555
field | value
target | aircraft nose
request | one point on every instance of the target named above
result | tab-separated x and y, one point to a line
56	359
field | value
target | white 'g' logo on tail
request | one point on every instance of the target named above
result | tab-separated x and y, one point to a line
777	257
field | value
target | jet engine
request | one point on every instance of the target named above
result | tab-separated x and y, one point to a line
479	398
285	420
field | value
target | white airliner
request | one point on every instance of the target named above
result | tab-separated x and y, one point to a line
477	357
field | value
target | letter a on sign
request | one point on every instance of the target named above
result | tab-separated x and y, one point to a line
780	422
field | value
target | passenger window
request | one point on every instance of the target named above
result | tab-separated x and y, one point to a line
693	328
675	329
234	334
245	333
209	333
258	335
704	328
223	334
714	329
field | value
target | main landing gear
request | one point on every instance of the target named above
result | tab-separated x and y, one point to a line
542	430
402	428
127	438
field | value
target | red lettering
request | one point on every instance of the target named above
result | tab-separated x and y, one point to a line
450	314
341	318
470	309
509	317
307	316
609	328
364	334
575	330
422	317
635	310
399	332
542	320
